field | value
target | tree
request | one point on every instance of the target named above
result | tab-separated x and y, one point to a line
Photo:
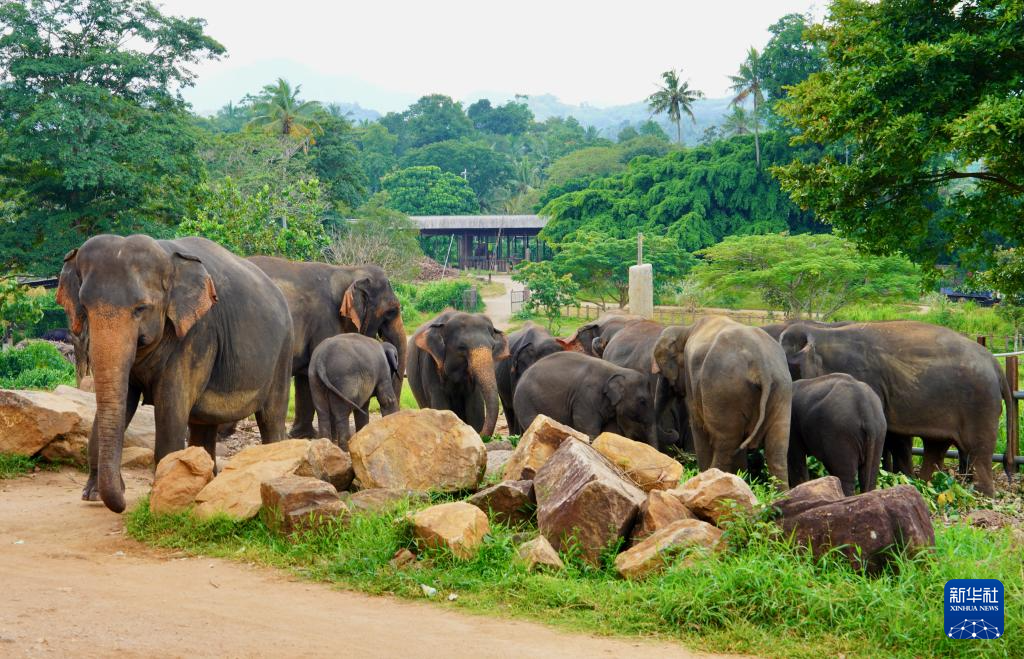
927	97
255	160
549	292
674	98
788	58
336	161
428	191
93	134
737	123
279	110
591	162
747	84
651	128
808	275
17	308
484	168
626	134
379	235
377	149
435	118
512	118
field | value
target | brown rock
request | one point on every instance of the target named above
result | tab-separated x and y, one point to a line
502	445
292	503
646	466
402	558
457	526
496	461
582	497
538	554
328	462
135	457
660	549
87	384
538	443
714	494
180	476
509	502
73	449
989	519
809	495
420	450
378	499
865	527
659	510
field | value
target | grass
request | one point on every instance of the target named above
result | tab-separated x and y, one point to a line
13	465
762	596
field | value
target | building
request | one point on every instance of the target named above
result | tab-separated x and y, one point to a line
486	242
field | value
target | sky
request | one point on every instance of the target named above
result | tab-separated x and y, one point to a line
381	52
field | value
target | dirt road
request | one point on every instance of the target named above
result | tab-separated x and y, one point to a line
71	584
499	307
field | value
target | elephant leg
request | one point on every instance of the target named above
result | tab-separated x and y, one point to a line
776	447
205	436
302	427
170	414
796	462
702	446
90	491
385	395
361	418
321	401
898	454
271	417
339	414
934	457
982	469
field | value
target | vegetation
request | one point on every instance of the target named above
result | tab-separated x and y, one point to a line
674	98
13	465
426	190
434	297
749	84
38	365
17	308
549	292
381	236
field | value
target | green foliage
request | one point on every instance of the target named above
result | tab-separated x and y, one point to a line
589	163
256	160
380	236
549	292
788	58
485	168
17	307
926	98
512	118
287	223
428	191
377	147
433	118
13	465
335	159
436	296
812	275
38	365
93	134
278	110
674	98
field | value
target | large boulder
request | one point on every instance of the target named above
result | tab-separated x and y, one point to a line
379	498
866	527
509	502
496	461
646	466
419	450
659	510
538	554
180	477
810	495
293	503
328	462
657	551
584	498
538	443
136	457
457	526
714	494
236	490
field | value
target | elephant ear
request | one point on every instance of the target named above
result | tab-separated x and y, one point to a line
67	292
192	293
668	352
615	389
517	354
500	349
391	354
431	340
355	305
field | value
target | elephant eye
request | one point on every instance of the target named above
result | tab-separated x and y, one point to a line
140	309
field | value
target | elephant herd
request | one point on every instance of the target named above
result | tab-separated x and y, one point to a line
209	338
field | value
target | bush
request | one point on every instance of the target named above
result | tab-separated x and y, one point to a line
38	365
440	295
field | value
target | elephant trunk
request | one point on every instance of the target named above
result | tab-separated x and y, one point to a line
111	354
481	367
394	333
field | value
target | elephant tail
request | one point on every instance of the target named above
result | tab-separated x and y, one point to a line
766	390
1011	423
322	374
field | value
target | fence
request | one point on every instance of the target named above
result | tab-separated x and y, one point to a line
518	299
672	315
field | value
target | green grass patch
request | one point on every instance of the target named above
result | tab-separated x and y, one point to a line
13	465
761	596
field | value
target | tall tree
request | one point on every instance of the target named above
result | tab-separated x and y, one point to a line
748	84
674	98
789	57
279	110
737	123
427	191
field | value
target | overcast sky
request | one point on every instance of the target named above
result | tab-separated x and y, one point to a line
600	53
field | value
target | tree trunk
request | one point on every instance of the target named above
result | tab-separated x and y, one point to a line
757	136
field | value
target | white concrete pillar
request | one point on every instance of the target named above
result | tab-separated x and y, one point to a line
641	290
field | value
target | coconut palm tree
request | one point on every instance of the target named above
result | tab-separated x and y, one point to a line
280	111
676	99
747	84
737	123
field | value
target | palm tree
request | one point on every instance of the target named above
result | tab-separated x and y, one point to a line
737	123
675	98
747	84
280	111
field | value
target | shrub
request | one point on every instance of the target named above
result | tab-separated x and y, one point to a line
38	365
439	295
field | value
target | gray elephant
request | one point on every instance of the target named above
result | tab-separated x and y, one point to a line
737	389
839	421
202	335
933	383
451	367
525	347
596	334
589	394
345	371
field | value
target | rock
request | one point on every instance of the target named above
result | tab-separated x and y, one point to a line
659	510
864	527
140	432
133	457
328	462
72	449
293	503
496	461
714	494
378	499
421	450
402	558
657	551
989	519
509	502
538	554
809	495
180	476
584	498
538	443
457	526
236	490
503	445
87	384
646	466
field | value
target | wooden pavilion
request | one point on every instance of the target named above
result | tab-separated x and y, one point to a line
486	242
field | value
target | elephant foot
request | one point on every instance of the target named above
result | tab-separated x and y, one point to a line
90	492
302	432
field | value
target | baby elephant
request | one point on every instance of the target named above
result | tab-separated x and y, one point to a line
589	394
838	420
344	372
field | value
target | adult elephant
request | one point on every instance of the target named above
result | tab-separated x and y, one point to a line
598	333
326	300
632	347
933	383
451	367
775	330
185	325
737	388
525	348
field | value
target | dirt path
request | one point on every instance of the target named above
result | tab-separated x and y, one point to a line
74	585
499	307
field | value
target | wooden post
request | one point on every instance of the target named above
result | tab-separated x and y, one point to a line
983	340
1012	431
